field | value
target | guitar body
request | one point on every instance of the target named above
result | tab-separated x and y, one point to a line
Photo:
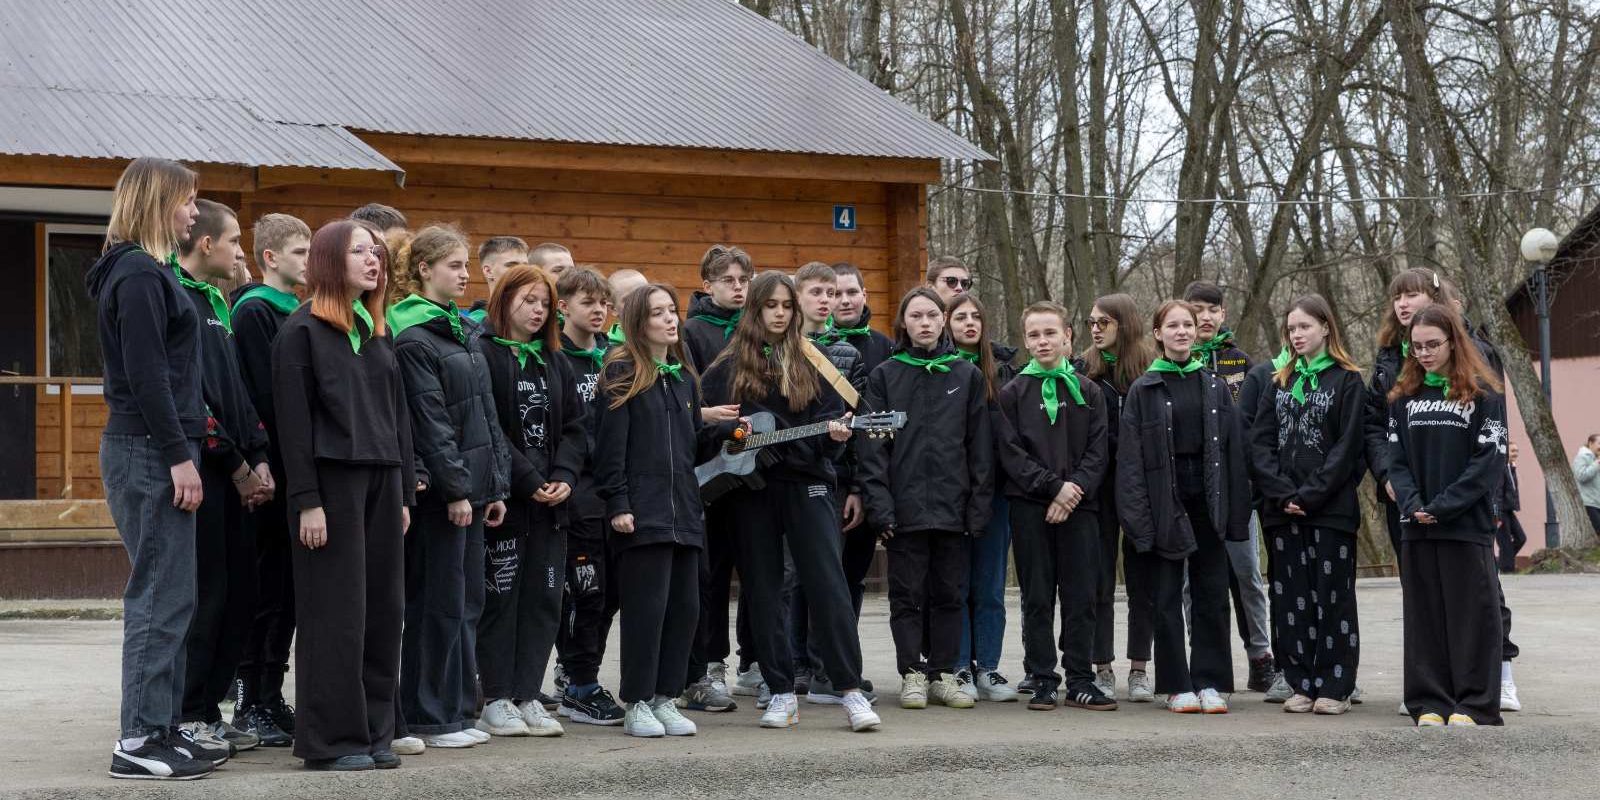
734	467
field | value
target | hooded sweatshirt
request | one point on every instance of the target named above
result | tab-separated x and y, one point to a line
259	311
150	337
707	330
234	434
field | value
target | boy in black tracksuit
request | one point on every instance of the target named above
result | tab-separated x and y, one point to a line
236	476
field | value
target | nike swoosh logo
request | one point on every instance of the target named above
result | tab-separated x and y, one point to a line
953	391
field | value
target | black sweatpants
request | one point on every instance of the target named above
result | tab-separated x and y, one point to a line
349	605
928	573
431	654
860	547
589	604
1206	662
1057	561
716	589
804	517
266	649
1140	583
225	555
523	580
1452	629
659	589
1509	649
1315	633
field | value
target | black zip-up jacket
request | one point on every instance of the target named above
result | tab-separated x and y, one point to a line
1375	425
1309	453
1448	458
938	473
149	338
1038	456
334	404
237	437
875	348
255	327
803	460
704	340
461	452
586	504
566	433
1152	514
645	459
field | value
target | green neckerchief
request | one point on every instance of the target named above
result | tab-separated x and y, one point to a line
669	370
835	333
523	349
280	301
1307	372
971	355
219	305
614	335
1282	358
416	309
932	365
727	324
1437	381
476	314
1405	348
596	354
1163	365
355	334
766	351
1108	357
1208	348
1064	373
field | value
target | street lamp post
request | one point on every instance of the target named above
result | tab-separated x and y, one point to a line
1539	246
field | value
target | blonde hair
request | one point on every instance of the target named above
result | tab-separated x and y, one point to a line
274	231
147	194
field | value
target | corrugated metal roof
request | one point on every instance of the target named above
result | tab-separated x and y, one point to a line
674	73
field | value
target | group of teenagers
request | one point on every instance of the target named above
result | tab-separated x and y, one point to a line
435	498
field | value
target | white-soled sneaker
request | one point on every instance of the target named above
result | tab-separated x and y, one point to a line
750	683
1508	697
717	671
914	690
965	683
641	721
480	736
408	746
1183	703
501	718
859	711
538	720
1140	688
782	712
450	741
674	723
1212	703
993	687
1105	679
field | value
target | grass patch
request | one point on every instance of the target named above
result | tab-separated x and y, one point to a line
1565	562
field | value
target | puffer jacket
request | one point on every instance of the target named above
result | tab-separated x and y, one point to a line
462	453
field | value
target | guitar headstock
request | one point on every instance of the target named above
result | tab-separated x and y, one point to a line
879	424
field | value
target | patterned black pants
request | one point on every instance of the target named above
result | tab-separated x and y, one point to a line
1314	630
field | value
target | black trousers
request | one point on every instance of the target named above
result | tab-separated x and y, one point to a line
928	573
659	589
1105	615
432	651
225	555
1452	630
1509	649
589	604
266	649
1060	561
1140	583
860	546
349	605
1206	662
1511	538
803	517
1315	632
716	589
524	575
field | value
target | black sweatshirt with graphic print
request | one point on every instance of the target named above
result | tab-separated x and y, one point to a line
1309	453
1448	458
585	371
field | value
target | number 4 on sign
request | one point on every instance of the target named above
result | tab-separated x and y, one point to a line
844	218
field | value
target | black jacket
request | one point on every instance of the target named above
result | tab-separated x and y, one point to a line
234	433
1256	383
149	338
1038	456
874	347
703	339
1448	459
585	372
255	327
1148	504
1310	453
1375	424
1111	402
566	440
847	359
938	473
1513	492
803	460
1230	363
334	404
645	459
461	452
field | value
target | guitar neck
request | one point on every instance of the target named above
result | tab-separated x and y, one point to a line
786	435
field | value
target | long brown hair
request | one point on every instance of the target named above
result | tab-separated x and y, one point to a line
754	372
505	292
147	195
1415	279
1468	374
1317	307
986	363
634	352
1133	349
328	281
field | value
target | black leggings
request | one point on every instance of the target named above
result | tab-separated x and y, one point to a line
659	589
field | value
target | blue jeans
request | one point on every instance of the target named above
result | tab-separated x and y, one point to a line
159	601
986	593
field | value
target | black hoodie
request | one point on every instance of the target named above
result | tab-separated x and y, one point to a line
803	460
149	335
1375	425
1309	453
542	418
237	437
938	473
1448	458
1040	456
703	339
255	328
585	372
873	346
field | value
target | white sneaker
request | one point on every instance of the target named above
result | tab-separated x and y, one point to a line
859	711
1508	697
914	690
750	683
501	718
1140	688
641	721
408	746
994	687
782	712
450	741
1105	679
965	684
1212	703
665	710
538	720
479	736
764	696
717	671
1183	703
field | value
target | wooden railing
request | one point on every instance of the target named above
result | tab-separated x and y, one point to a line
65	394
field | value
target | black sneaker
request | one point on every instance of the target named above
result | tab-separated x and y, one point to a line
595	708
196	740
385	759
802	684
259	721
282	713
342	764
1026	685
157	760
1262	671
1043	698
549	703
1089	696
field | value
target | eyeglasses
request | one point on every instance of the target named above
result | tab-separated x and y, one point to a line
729	280
964	284
1424	348
1101	322
363	249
